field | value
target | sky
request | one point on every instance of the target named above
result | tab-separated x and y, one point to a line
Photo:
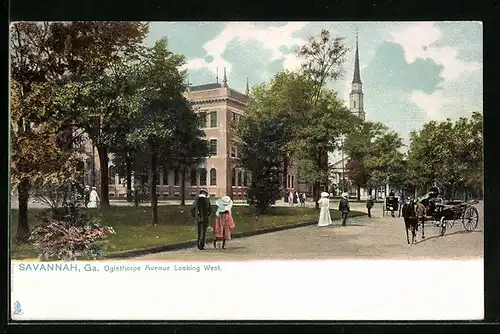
412	72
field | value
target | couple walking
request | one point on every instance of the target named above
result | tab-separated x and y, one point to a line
324	215
201	211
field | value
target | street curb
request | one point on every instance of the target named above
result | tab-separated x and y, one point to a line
189	244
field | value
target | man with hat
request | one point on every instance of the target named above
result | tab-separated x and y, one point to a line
201	211
344	207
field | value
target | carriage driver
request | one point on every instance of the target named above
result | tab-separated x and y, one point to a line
430	199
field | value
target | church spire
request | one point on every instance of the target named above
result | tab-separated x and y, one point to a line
247	90
224	81
357	77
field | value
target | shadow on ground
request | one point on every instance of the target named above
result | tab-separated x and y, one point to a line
447	235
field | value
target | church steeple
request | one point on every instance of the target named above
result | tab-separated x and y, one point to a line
224	81
356	97
357	77
247	90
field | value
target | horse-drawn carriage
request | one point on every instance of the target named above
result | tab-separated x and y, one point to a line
391	204
445	213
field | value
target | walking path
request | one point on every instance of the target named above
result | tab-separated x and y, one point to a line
362	238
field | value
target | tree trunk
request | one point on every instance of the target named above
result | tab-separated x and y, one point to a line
23	229
183	186
102	151
154	198
285	177
316	194
129	181
359	192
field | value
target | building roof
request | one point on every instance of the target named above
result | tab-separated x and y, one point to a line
214	85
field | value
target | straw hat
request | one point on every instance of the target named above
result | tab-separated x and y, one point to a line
224	204
345	195
325	194
203	193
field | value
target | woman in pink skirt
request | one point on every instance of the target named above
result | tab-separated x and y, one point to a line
223	221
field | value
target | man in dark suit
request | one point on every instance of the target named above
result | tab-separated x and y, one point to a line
201	211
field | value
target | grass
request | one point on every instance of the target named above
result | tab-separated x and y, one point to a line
134	229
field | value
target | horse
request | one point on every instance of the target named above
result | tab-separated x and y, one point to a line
413	212
411	221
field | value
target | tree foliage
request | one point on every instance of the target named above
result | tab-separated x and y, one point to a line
261	152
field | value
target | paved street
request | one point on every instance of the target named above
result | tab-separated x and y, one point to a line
363	238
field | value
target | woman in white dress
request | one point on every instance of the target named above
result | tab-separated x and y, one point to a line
324	215
93	198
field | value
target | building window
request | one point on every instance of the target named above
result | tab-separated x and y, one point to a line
293	181
233	176
176	178
233	152
240	178
193	177
354	103
202	118
165	178
213	177
213	119
213	147
245	179
235	117
288	181
203	177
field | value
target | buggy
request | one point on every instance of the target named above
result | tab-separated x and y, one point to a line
391	204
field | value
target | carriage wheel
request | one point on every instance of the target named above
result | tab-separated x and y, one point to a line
442	225
470	219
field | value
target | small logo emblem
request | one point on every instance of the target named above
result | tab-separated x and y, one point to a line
17	308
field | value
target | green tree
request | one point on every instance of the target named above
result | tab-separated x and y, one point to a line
320	134
99	90
37	157
164	108
385	159
286	95
261	152
357	146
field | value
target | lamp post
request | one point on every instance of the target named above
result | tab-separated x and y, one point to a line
342	138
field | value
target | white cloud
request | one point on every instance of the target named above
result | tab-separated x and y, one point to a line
271	38
430	104
421	40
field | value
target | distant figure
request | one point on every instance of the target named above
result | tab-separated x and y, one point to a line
324	215
223	221
86	195
392	200
290	198
201	211
303	199
369	205
295	198
344	208
93	198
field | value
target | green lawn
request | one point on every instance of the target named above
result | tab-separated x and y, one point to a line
134	230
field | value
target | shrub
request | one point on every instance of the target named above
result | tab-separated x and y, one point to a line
70	237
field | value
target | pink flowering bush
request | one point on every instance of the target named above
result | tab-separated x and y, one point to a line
74	236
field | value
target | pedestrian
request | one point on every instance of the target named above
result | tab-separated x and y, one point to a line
324	215
303	199
393	202
295	198
86	195
290	198
344	208
201	211
93	199
369	205
223	221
